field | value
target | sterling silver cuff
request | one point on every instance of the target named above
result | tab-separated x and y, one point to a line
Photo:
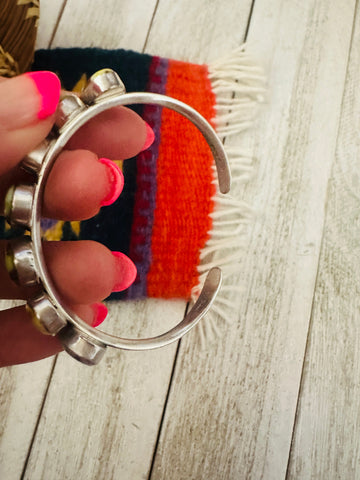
24	257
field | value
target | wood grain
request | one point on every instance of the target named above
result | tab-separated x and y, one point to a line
326	437
276	395
22	389
50	12
198	31
102	422
116	407
133	387
108	24
231	416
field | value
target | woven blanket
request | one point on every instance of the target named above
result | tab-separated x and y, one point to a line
170	219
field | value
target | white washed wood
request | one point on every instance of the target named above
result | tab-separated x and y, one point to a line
198	31
102	422
106	24
117	405
21	393
326	439
50	10
231	416
255	363
143	383
23	387
128	461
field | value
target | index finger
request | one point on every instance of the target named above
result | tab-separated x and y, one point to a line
117	133
27	105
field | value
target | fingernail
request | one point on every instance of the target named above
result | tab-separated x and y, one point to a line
48	86
150	136
100	313
116	181
125	272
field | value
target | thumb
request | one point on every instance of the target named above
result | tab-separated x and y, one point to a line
27	105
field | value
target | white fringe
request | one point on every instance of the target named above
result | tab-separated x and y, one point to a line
239	87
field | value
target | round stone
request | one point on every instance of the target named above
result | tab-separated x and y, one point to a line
8	203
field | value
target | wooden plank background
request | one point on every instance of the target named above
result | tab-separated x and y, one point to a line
275	396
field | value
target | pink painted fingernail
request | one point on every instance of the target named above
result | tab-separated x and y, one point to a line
125	272
48	86
100	313
116	181
150	137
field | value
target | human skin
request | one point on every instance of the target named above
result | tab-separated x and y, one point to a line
84	272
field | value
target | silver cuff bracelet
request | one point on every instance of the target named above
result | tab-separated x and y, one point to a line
25	259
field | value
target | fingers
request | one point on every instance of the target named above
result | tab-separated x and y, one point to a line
93	183
118	133
27	105
82	182
21	342
84	272
78	186
26	116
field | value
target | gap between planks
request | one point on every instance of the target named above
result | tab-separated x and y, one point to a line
301	384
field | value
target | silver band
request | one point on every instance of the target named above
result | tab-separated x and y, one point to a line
104	91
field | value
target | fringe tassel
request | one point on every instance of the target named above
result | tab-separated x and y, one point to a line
239	87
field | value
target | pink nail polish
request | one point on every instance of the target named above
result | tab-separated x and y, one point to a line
100	313
116	181
150	137
48	86
125	272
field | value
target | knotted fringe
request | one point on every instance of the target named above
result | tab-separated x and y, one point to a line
239	87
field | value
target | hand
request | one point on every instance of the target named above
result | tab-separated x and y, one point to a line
84	272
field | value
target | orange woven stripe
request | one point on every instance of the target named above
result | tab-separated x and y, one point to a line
185	189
